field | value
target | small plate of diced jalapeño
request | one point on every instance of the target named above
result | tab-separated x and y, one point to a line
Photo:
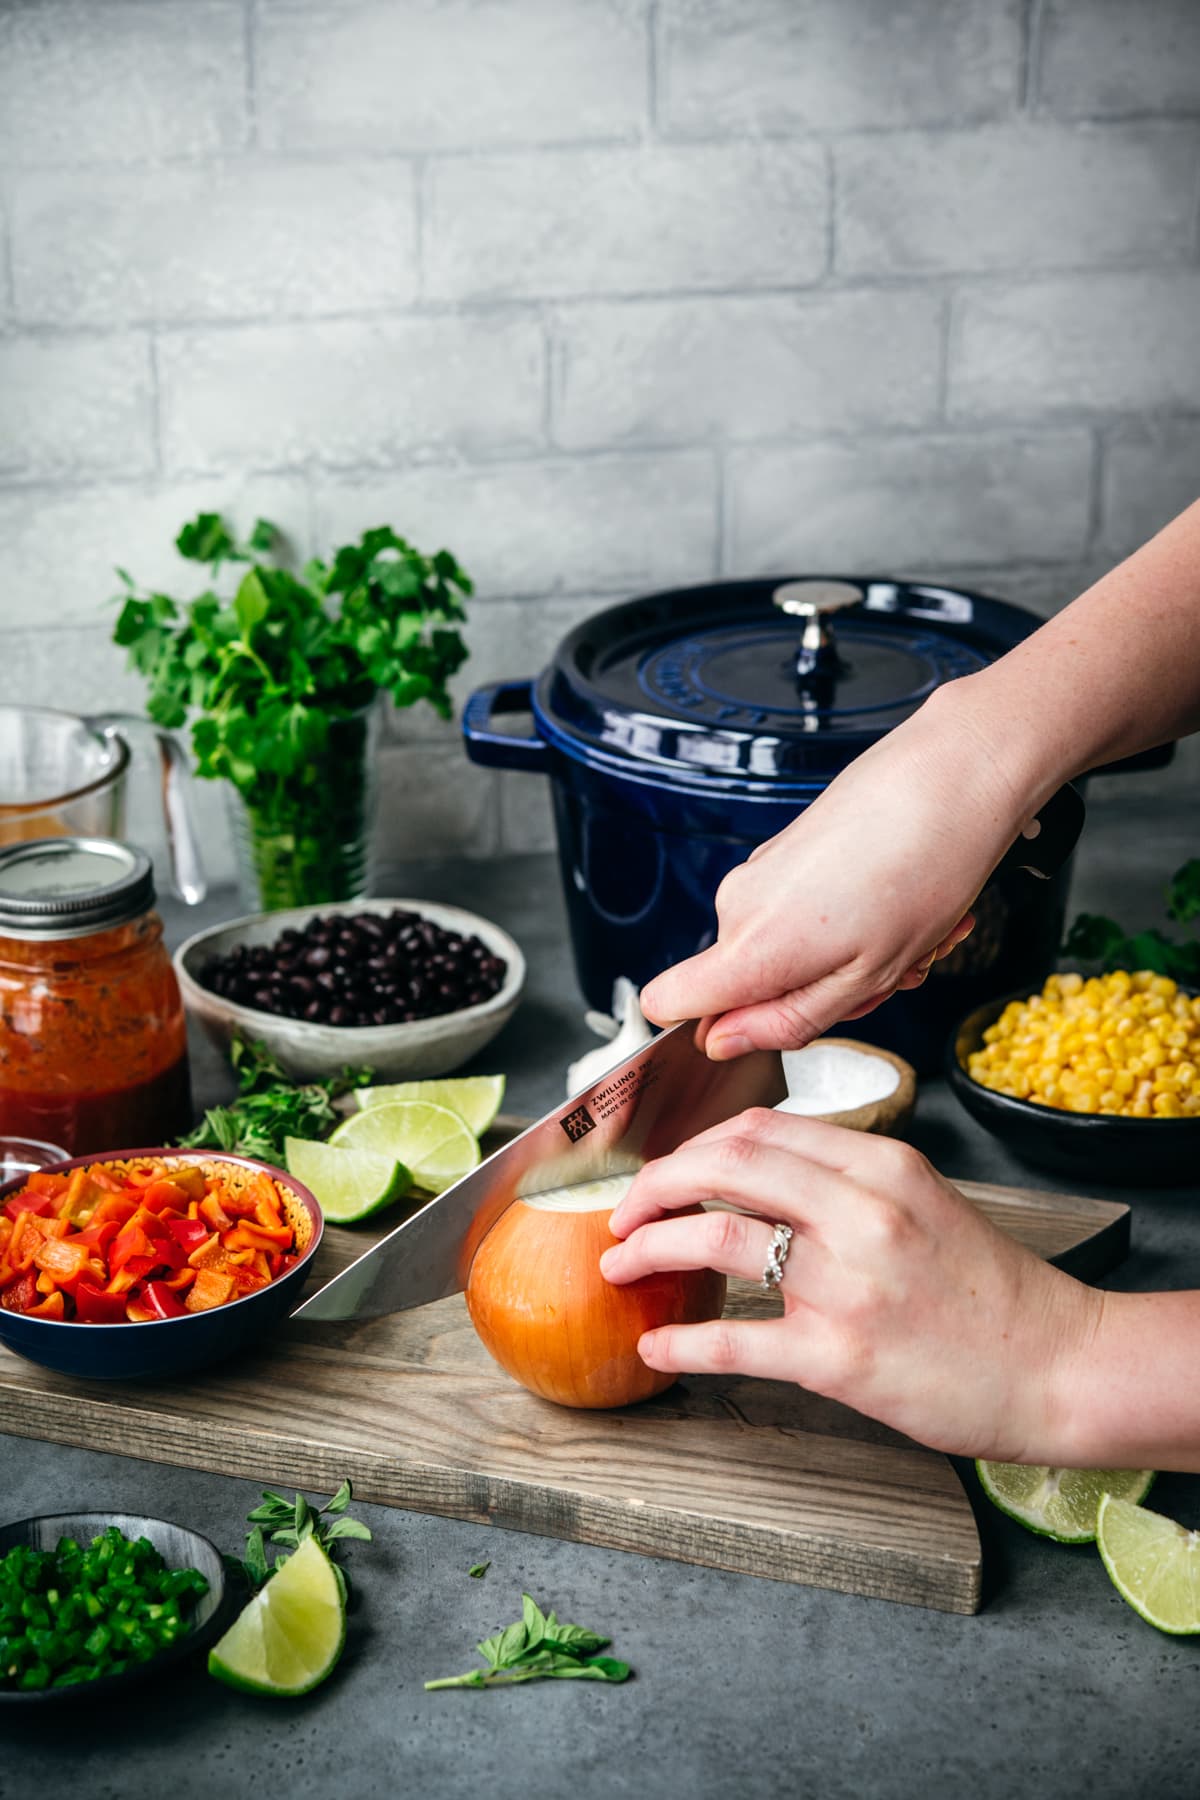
94	1601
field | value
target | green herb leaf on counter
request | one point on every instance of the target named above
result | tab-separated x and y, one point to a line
1096	939
271	1107
539	1646
281	1525
477	1571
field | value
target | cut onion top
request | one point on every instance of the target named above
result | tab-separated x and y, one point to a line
602	1195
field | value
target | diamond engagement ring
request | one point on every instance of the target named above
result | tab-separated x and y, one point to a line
777	1255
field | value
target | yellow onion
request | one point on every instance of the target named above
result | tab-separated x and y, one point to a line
545	1312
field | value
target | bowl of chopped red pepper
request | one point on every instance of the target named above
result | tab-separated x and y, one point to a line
180	1257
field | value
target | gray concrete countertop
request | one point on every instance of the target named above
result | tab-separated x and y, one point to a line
744	1687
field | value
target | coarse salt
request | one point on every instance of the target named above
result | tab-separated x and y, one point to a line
828	1078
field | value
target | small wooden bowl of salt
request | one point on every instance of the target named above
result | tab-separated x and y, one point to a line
849	1083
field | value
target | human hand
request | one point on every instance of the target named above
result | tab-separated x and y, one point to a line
900	1298
855	899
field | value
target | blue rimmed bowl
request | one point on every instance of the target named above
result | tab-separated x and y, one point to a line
159	1348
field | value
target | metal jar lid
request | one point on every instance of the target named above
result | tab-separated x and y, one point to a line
69	887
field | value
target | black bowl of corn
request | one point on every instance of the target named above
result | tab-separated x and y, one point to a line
1095	1076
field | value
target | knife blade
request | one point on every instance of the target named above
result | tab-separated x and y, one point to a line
644	1107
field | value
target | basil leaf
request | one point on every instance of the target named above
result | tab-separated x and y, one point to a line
534	1620
256	1557
341	1499
478	1570
576	1640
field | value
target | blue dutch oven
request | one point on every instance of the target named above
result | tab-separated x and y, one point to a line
681	729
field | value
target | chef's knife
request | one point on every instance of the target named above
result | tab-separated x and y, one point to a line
645	1107
1047	841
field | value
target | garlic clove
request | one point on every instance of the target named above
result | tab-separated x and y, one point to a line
629	1032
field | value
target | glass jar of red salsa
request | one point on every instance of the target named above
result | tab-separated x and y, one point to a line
93	1043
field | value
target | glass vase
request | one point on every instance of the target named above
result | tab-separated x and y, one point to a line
309	837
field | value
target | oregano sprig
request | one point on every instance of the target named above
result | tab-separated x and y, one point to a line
539	1647
280	1525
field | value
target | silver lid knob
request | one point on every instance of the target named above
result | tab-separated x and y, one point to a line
813	601
808	599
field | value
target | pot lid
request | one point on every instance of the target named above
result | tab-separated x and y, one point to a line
764	681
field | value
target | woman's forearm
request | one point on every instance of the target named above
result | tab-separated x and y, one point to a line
1115	672
1129	1397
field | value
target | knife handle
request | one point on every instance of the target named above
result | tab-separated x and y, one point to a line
1048	840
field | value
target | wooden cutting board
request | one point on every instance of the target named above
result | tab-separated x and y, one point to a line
754	1476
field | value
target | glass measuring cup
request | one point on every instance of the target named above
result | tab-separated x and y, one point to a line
65	776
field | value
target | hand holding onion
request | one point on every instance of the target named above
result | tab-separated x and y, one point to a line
900	1298
545	1312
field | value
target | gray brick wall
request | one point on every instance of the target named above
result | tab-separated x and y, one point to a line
604	294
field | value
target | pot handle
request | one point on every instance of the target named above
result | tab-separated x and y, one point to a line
503	749
1048	840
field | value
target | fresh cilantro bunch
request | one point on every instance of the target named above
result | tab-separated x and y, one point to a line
278	675
270	1106
1095	939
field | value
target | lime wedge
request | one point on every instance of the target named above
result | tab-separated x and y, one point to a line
476	1097
348	1184
288	1638
1059	1503
1154	1564
436	1144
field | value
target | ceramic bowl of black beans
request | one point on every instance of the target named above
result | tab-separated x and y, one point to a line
409	988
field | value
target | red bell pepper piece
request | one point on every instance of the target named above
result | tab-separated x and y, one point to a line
64	1261
209	1289
248	1280
25	1202
20	1295
160	1302
41	1181
166	1194
191	1178
114	1206
98	1237
239	1206
96	1306
214	1213
208	1255
189	1234
52	1307
132	1240
81	1199
248	1236
171	1253
135	1270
